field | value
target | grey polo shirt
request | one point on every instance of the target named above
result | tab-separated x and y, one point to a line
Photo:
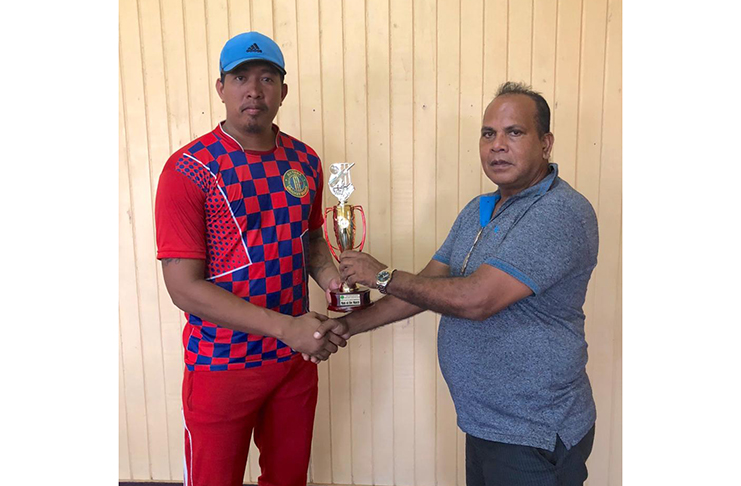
519	376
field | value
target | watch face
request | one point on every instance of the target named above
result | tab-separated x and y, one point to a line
383	276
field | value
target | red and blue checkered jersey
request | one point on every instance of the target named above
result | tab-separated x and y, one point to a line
247	214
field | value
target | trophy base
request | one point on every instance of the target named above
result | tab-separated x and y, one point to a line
349	301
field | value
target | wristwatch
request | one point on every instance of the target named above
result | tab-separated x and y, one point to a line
383	278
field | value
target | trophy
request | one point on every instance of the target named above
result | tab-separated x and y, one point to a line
347	298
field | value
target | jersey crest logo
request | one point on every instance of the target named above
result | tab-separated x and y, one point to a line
295	183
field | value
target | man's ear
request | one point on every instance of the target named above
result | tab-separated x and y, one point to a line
547	142
283	93
220	89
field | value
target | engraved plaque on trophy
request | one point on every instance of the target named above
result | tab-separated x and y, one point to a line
347	298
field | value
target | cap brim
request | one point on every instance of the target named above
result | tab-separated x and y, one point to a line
232	66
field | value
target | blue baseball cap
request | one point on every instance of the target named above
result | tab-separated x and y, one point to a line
250	46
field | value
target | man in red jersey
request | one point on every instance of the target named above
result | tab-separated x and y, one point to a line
239	216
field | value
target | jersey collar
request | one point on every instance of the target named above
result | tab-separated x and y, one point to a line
231	142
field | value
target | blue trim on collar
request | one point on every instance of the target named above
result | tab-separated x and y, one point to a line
547	182
486	207
541	187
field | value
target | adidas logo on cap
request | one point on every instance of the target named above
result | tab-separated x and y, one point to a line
254	48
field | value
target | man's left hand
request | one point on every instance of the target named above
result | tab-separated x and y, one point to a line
360	268
334	284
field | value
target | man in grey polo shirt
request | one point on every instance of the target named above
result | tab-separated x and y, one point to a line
510	281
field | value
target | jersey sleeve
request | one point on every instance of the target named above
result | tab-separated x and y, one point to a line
316	216
180	216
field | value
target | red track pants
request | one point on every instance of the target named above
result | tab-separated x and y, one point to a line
222	408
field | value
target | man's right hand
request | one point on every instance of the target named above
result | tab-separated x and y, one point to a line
335	331
299	334
333	328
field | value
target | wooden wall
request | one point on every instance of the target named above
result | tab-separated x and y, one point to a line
398	87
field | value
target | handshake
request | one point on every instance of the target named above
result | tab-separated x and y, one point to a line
316	336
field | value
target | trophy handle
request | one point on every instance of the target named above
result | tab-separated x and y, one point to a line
362	213
326	236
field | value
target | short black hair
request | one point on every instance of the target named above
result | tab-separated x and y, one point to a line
223	74
542	111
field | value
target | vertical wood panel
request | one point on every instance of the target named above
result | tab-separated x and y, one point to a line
341	420
136	415
566	105
365	86
591	87
379	237
519	56
176	73
425	328
126	291
612	159
588	163
402	230
544	48
448	111
602	329
132	72
124	468
378	108
470	105
199	86
127	295
158	137
284	23
361	406
461	457
308	76
262	17
217	33
153	70
240	18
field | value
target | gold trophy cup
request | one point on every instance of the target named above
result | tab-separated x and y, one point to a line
347	298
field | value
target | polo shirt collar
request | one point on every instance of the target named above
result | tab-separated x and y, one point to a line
541	187
487	202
